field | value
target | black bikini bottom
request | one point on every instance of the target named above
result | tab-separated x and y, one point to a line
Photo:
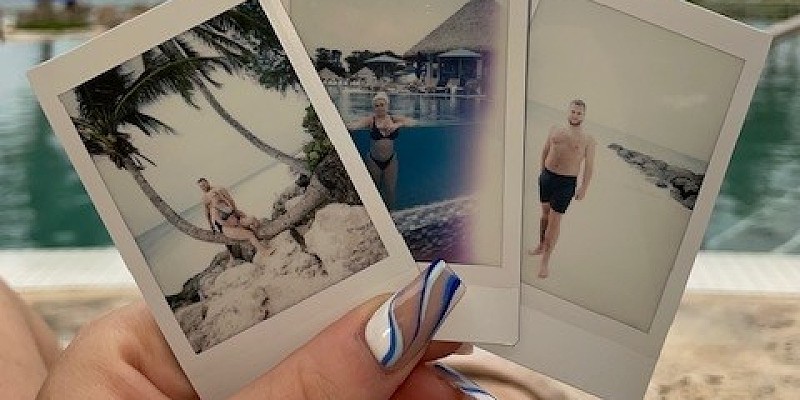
382	164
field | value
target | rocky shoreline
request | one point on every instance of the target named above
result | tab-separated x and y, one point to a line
683	184
437	230
241	287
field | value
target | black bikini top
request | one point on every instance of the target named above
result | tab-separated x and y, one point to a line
376	133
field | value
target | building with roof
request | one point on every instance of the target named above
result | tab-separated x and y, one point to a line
462	50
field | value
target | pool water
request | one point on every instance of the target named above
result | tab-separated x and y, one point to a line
42	201
43	204
433	162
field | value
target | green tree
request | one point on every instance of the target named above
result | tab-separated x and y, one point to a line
107	105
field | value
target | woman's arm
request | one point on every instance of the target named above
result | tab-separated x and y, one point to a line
359	123
401	121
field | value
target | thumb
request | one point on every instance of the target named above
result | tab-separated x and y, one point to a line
368	353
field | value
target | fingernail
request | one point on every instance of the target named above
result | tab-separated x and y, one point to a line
406	322
462	383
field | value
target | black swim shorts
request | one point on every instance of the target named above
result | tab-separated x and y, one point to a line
557	190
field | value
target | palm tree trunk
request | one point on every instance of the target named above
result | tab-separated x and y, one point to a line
316	194
294	163
174	218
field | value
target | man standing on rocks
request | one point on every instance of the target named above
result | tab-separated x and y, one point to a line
567	148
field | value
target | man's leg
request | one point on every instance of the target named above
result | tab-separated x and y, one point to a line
550	239
240	233
28	347
542	229
249	222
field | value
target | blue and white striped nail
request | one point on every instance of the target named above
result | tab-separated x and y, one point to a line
406	322
462	383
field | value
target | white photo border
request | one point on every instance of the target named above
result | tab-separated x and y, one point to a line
221	370
557	336
488	311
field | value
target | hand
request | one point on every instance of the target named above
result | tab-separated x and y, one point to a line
580	194
124	355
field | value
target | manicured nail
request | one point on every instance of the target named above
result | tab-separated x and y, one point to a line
462	383
406	322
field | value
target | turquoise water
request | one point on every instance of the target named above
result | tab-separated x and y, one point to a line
757	206
42	203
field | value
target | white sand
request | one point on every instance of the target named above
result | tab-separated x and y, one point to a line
175	257
616	247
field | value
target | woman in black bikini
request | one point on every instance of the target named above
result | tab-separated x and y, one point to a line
384	129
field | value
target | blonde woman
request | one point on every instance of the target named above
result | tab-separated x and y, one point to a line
384	129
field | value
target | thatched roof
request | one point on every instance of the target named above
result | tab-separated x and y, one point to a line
365	73
384	59
472	28
460	53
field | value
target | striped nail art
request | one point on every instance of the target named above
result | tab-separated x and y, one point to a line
406	322
461	382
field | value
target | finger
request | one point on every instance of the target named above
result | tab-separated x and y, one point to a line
425	383
437	350
364	355
439	381
122	354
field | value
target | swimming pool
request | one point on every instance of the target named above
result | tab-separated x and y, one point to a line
43	204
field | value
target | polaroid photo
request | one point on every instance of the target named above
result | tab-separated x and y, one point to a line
631	115
227	180
422	88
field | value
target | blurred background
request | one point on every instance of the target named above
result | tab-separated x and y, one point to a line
751	252
43	204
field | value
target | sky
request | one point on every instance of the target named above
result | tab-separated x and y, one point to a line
635	77
204	146
370	25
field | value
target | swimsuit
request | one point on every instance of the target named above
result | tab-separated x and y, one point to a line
376	134
224	212
382	164
557	190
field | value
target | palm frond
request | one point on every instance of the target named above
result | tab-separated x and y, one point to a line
166	77
147	123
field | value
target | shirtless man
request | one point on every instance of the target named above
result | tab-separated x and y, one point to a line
224	217
566	149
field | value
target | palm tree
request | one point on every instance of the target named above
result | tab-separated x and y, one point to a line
113	100
110	102
329	181
234	37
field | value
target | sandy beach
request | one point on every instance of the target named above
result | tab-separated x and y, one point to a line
617	246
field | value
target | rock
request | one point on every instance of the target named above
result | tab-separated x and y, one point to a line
303	180
191	316
684	185
290	203
689	202
231	312
660	164
232	278
345	250
231	296
194	288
